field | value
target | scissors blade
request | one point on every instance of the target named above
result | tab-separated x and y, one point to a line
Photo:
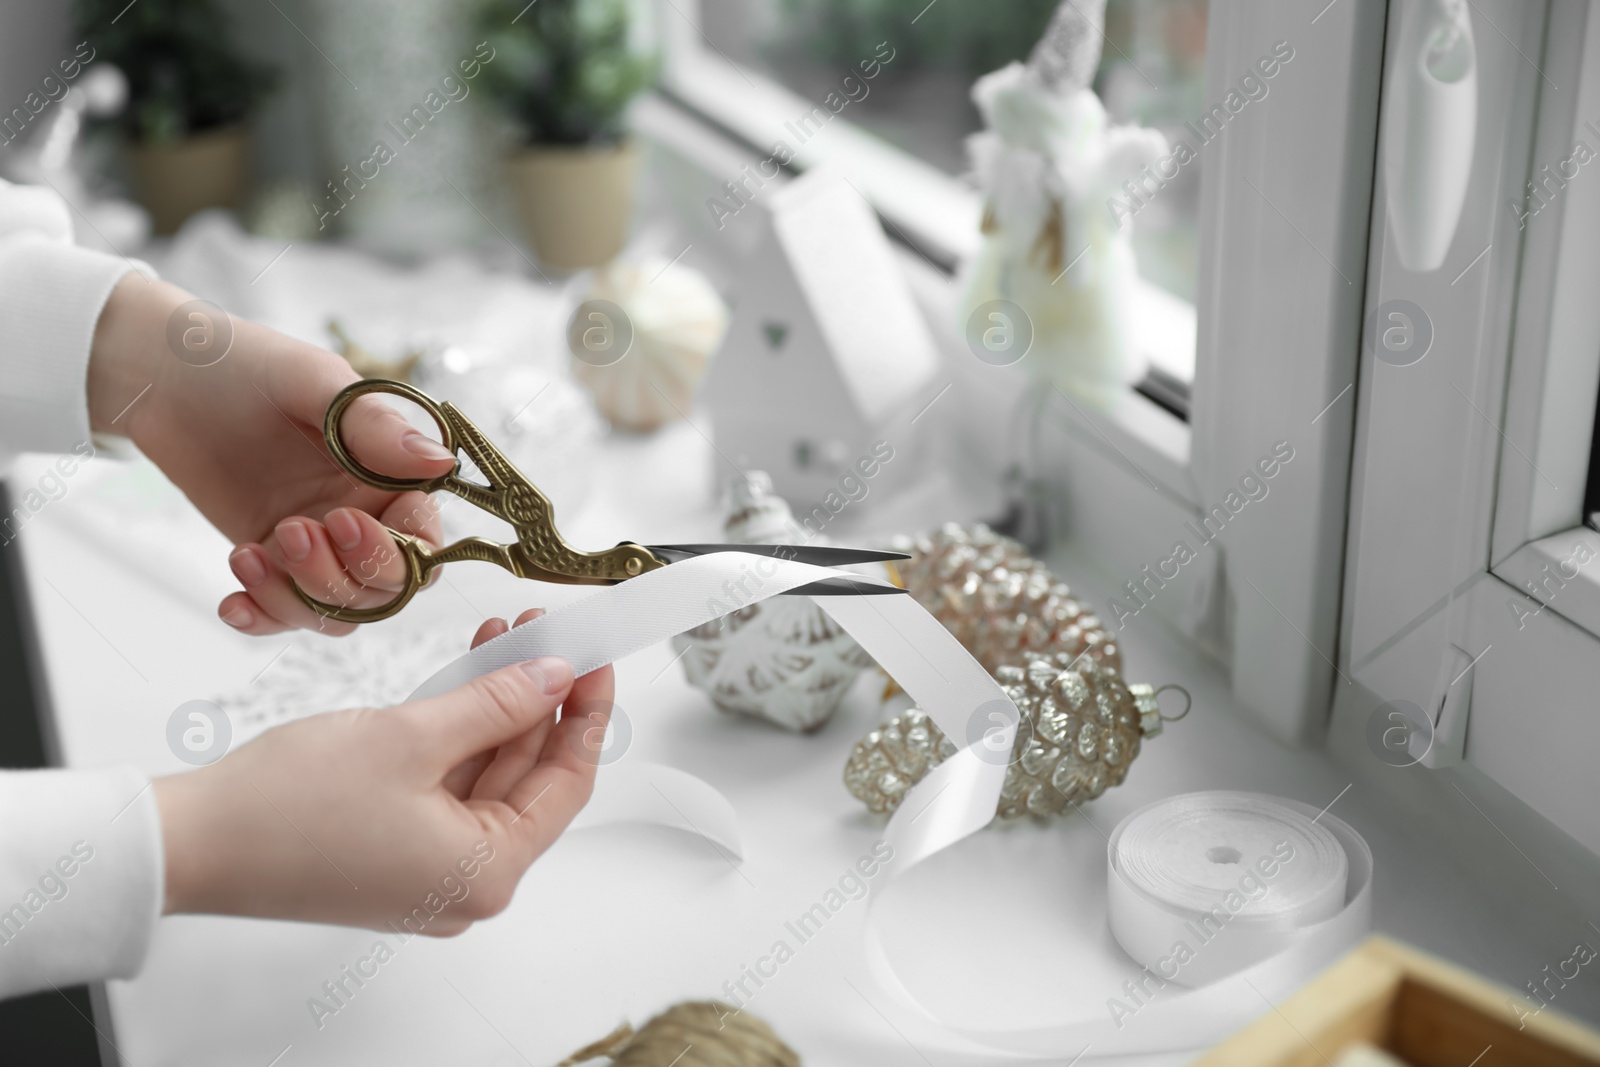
846	585
818	555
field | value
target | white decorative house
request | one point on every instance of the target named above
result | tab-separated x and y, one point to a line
826	347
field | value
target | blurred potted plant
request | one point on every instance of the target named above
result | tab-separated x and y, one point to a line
564	73
189	95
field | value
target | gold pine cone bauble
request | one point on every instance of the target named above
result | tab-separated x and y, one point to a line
1081	729
1003	605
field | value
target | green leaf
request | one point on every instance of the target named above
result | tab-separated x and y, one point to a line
565	70
184	74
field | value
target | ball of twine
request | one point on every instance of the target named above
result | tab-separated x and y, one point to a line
697	1033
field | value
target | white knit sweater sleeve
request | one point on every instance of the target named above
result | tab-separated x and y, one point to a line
81	865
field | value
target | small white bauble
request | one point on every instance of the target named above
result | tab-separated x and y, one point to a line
783	660
642	338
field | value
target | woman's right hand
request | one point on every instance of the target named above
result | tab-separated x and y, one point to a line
241	435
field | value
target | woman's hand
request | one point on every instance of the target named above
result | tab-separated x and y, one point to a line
364	817
242	437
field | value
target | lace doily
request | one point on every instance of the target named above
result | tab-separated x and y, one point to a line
377	666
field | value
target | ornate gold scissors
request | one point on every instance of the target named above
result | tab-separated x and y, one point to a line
539	552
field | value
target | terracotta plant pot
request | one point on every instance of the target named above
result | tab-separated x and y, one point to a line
179	178
574	203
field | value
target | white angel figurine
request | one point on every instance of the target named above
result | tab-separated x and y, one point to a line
1057	177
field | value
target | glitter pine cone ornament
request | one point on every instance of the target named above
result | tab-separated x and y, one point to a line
1002	605
1081	729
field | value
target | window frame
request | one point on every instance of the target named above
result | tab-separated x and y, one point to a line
1554	372
1131	477
1545	620
1480	451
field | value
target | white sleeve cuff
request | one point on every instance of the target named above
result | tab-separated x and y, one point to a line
82	877
51	296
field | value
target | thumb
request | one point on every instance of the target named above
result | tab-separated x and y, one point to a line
489	711
383	441
378	435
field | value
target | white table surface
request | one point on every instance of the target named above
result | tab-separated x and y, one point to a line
620	922
616	923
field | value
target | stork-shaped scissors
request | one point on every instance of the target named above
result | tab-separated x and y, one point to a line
539	552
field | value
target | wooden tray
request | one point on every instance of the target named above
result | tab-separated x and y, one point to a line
1418	1009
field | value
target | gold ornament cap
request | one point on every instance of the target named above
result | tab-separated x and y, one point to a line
1148	700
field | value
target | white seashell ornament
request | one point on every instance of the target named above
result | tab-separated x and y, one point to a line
642	338
784	660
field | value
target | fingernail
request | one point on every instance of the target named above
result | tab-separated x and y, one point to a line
247	567
294	540
343	528
238	616
420	444
552	674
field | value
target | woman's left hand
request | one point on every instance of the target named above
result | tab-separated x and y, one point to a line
372	817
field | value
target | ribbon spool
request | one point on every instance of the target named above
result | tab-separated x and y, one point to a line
1203	885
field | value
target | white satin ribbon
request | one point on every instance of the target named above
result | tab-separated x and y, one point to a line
1233	873
956	799
1262	965
637	791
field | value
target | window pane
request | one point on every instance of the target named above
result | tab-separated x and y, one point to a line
1151	72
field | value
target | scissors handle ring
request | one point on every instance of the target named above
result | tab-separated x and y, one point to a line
348	395
418	564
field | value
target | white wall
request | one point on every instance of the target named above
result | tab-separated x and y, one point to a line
33	38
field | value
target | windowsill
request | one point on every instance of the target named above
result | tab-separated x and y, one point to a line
106	720
1540	569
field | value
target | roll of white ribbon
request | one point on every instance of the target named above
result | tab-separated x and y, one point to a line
957	798
1203	885
1151	1013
